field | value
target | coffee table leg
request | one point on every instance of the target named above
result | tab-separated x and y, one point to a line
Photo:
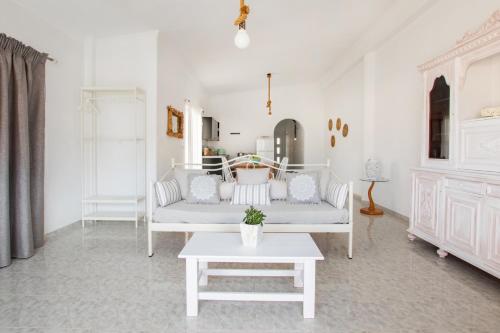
203	266
192	286
309	288
298	280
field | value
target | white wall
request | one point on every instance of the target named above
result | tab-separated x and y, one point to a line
398	88
62	125
176	83
344	99
245	112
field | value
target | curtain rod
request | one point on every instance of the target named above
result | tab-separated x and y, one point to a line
51	59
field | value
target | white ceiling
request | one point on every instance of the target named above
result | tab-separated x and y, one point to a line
298	40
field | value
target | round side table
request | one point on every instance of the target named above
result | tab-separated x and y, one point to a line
371	210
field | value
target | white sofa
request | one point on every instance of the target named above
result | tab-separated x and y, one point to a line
281	216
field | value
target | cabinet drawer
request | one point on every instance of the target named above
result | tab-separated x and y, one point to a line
493	191
466	186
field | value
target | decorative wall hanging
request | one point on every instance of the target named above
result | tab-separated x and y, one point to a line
345	130
339	124
268	105
175	123
242	40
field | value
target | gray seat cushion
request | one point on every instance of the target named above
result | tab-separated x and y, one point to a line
279	212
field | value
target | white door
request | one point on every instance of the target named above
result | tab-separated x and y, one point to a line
424	222
461	224
490	242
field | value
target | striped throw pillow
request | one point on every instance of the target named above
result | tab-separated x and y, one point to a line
257	194
168	192
336	194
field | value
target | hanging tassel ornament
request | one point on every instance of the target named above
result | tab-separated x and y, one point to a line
269	93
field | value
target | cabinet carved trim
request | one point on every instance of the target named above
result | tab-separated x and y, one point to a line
462	221
480	145
488	33
426	212
493	232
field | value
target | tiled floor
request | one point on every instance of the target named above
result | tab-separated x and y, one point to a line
101	280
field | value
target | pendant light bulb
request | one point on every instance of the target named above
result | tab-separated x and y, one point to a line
242	40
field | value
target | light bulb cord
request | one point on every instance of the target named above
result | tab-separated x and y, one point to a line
244	11
268	105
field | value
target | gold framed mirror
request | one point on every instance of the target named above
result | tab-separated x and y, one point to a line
175	123
330	124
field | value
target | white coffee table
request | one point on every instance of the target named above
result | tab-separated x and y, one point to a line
296	248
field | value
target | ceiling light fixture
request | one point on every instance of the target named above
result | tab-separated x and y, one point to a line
242	40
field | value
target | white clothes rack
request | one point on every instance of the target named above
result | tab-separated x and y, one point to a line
106	202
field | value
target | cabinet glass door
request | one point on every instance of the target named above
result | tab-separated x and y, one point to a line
439	120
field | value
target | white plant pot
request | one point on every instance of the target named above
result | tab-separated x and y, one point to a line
251	235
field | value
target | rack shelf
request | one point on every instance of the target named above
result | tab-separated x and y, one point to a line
115	139
114	90
116	199
113	216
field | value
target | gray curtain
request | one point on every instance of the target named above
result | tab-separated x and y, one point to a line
22	127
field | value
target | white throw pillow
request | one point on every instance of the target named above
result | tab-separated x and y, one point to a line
226	190
252	176
181	175
303	187
168	192
278	189
257	194
324	181
203	189
337	194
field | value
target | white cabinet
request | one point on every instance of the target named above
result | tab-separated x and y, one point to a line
460	214
461	221
491	240
456	190
424	219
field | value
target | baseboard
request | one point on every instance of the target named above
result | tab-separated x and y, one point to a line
385	209
57	231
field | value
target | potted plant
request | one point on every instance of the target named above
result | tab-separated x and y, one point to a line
251	227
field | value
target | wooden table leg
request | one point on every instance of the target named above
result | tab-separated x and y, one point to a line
371	210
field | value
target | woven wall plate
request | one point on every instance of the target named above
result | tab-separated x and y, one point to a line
339	124
345	130
332	141
330	124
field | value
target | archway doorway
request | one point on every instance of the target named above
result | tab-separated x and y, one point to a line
289	141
